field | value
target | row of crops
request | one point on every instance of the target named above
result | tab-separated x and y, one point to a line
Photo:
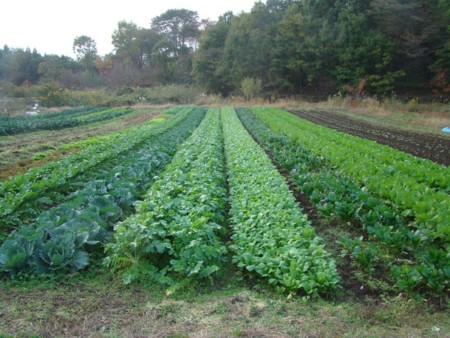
179	230
59	120
23	194
177	201
393	208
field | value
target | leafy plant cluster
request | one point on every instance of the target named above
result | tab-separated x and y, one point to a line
10	125
177	229
419	187
271	238
24	189
62	237
60	120
28	211
394	235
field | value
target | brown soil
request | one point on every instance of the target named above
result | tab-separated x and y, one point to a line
428	146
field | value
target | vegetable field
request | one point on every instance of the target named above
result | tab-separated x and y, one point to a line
300	209
59	120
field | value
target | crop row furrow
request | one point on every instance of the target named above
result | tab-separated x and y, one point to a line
386	158
418	187
391	240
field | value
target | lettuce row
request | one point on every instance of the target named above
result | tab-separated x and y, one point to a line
418	187
393	238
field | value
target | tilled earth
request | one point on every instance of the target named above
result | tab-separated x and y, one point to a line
428	146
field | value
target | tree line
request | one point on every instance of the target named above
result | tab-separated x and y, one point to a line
281	47
324	46
160	54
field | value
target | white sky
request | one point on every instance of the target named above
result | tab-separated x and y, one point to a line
50	26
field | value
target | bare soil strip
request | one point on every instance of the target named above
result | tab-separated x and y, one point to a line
428	146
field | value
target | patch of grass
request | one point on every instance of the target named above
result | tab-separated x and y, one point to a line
95	303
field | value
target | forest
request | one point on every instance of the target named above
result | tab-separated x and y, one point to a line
280	48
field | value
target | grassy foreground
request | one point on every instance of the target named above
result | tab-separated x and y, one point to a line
98	305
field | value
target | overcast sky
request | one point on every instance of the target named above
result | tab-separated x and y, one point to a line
50	26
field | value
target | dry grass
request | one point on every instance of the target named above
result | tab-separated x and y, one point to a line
429	118
101	307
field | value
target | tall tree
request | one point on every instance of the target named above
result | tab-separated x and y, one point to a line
209	55
418	30
249	47
165	61
304	52
181	27
441	66
148	39
126	41
19	65
54	67
179	30
364	55
85	48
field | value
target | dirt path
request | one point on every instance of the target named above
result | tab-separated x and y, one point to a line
428	146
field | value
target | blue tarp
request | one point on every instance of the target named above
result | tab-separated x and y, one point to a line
446	130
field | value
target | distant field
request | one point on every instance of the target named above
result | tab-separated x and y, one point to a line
17	153
430	146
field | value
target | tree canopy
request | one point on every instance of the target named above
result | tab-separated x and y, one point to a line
85	49
325	46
